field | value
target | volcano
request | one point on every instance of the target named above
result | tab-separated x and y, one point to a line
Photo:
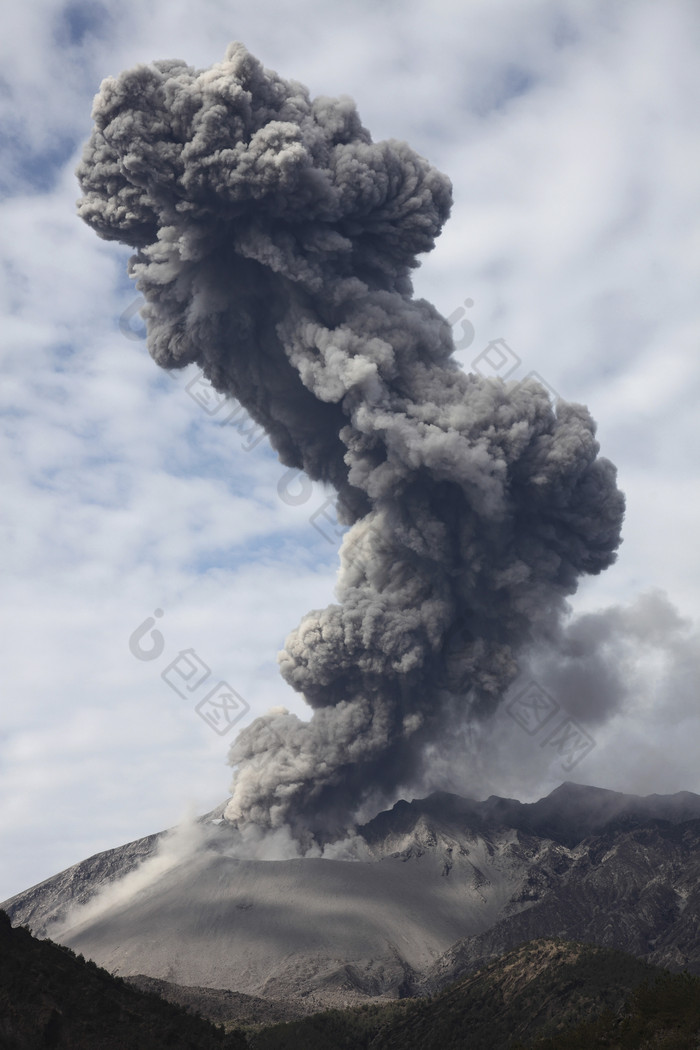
437	887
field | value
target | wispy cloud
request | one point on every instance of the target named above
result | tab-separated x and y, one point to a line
569	134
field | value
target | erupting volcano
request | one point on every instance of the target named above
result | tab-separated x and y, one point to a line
274	242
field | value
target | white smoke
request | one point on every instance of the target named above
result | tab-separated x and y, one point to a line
183	845
187	849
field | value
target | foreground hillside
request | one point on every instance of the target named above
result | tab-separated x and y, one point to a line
540	989
51	998
546	994
664	1015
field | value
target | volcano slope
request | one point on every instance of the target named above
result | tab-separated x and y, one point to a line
444	884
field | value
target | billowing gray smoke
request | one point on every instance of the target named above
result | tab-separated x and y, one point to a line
274	245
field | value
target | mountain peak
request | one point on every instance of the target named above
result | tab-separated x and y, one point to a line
568	814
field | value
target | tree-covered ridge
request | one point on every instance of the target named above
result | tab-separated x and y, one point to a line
543	987
49	997
661	1015
545	995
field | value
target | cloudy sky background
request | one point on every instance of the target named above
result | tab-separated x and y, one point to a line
570	133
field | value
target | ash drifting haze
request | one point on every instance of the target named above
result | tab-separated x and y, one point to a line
274	244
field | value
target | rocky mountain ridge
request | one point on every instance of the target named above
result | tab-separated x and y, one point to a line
446	884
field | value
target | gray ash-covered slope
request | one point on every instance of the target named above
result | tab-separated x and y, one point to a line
47	903
447	884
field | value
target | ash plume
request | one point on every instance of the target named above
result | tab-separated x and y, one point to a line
274	244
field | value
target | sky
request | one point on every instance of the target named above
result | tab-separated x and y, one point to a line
136	502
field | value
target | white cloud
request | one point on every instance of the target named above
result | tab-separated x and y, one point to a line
569	132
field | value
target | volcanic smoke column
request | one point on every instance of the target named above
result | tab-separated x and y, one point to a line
274	242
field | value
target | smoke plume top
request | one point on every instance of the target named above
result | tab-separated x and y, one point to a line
274	242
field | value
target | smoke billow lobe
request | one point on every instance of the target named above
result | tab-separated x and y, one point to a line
274	243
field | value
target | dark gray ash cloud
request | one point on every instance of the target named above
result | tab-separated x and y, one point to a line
274	244
600	663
